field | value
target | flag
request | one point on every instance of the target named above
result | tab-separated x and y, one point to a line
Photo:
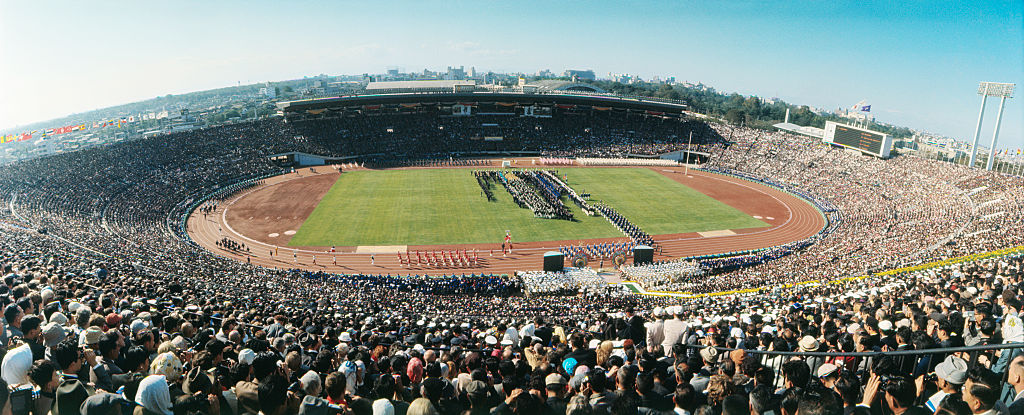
866	108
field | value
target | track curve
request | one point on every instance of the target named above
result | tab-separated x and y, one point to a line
790	218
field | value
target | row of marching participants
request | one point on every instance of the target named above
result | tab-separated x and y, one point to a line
441	259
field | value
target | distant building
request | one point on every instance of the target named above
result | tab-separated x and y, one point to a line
580	74
268	91
455	74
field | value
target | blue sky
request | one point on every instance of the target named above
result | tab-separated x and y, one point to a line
917	63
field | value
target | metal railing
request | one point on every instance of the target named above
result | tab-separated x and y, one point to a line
863	362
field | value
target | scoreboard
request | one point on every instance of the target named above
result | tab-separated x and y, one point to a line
867	141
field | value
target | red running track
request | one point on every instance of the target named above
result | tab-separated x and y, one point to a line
246	217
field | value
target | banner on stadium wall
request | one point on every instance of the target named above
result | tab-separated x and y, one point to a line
413	105
371	107
649	112
505	104
315	112
565	107
602	108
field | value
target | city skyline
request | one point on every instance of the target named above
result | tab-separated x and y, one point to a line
918	64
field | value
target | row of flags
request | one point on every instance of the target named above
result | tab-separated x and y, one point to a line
862	106
113	122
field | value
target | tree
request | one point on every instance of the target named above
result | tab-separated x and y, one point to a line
735	116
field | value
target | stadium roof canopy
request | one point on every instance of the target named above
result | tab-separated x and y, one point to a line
558	85
814	132
565	100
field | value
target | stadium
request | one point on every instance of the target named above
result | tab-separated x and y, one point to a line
310	212
447	232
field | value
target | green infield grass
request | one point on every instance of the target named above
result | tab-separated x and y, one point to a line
445	206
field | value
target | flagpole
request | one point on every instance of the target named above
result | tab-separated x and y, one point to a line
686	167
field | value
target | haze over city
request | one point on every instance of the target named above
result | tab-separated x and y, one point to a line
917	63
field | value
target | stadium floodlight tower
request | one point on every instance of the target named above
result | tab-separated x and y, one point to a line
990	89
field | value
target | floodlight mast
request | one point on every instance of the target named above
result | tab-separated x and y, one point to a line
987	89
983	91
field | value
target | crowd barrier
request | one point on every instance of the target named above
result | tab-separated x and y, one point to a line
1018	250
586	161
908	362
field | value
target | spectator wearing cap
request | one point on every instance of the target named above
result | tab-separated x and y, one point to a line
554	386
950	375
656	330
53	334
1013	332
477	393
709	355
811	344
828	374
886	335
673	329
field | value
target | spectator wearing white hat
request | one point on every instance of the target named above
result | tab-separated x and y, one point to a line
656	330
673	329
1013	332
950	376
828	374
811	344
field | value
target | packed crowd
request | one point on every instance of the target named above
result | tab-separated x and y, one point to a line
569	281
121	341
664	275
109	308
888	213
429	133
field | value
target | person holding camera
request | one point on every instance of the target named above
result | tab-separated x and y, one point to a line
898	395
949	377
